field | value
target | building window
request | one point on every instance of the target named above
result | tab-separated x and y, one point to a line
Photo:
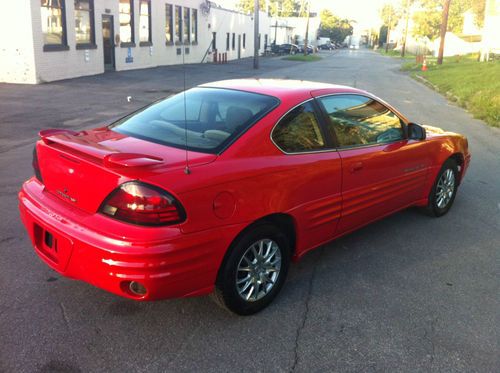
214	40
144	22
194	25
126	9
233	42
53	25
227	40
259	41
84	24
244	41
185	26
178	24
169	29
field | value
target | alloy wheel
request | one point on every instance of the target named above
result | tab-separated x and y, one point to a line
258	270
445	188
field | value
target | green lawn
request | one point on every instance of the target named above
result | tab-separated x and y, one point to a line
396	54
302	58
474	85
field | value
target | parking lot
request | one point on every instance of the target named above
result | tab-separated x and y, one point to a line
408	293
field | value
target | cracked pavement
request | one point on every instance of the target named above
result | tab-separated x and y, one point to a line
408	293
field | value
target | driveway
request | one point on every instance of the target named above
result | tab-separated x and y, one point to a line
408	293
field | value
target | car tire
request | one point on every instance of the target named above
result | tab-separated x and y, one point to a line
251	264
444	189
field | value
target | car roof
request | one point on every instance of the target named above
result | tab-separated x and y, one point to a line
282	88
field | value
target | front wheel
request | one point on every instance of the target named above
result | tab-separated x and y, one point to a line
254	270
444	189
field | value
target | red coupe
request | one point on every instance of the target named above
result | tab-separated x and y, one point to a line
217	189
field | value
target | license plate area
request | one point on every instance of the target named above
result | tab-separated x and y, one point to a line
54	247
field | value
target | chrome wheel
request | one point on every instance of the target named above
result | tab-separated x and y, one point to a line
445	188
258	270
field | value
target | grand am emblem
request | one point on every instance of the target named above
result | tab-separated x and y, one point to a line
64	194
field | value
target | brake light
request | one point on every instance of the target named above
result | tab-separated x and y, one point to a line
36	166
143	204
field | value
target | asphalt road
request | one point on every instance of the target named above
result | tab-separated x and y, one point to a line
408	293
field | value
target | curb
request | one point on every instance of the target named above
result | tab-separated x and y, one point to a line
447	94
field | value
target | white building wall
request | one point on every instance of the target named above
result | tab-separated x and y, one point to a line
17	60
25	61
57	65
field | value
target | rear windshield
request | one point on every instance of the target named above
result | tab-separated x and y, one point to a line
208	122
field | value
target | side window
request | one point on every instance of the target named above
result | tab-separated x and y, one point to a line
359	120
299	131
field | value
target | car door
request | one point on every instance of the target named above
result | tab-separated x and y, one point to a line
382	171
314	188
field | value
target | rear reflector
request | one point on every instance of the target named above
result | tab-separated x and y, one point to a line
143	204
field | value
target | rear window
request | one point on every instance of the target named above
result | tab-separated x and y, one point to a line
210	119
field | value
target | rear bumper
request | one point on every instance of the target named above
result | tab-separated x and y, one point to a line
93	248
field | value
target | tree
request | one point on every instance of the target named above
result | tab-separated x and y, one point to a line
427	20
390	16
333	27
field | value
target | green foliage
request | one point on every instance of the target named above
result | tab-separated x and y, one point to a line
282	8
427	21
302	58
390	15
466	81
333	27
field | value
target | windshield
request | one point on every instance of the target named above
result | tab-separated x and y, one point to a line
211	119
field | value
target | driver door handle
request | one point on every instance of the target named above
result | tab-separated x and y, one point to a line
356	166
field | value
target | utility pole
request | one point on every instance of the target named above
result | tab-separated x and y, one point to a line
307	29
256	35
403	50
444	27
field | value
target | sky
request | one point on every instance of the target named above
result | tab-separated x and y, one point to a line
365	12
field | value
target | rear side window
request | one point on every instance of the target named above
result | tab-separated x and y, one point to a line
360	120
204	119
299	131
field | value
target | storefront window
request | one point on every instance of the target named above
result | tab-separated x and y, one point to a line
126	8
194	25
185	26
145	21
178	24
53	22
84	21
168	23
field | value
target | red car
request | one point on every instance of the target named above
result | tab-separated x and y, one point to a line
216	190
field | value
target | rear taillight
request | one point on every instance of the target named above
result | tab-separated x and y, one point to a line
143	204
36	166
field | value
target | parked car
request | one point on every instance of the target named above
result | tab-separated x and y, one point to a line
327	47
162	205
310	49
288	49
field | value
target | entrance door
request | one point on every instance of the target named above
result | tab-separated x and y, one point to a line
108	44
239	46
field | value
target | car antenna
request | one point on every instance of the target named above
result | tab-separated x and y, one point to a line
187	171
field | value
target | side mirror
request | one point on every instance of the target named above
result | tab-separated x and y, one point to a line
416	131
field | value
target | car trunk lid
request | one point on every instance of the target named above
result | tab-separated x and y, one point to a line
83	168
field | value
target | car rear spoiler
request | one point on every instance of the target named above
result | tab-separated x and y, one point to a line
68	139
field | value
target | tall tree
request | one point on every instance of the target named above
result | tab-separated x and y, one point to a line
333	27
390	16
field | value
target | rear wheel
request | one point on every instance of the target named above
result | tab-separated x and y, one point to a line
444	190
254	271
